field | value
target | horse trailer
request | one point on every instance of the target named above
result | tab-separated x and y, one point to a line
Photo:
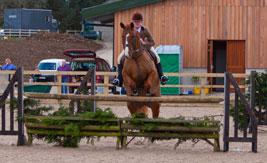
23	18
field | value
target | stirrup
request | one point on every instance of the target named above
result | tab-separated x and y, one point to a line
163	80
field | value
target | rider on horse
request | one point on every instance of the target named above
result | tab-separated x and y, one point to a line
148	43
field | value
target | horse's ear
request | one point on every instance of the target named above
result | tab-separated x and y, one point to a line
132	25
122	25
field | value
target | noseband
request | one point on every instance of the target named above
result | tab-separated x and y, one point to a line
133	53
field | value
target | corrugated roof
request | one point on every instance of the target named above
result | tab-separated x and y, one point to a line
111	7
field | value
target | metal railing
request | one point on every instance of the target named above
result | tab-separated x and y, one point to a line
250	118
9	91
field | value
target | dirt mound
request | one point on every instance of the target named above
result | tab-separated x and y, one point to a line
27	52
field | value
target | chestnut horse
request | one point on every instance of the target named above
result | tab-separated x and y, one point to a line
139	72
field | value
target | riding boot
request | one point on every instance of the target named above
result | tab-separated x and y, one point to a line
119	80
163	78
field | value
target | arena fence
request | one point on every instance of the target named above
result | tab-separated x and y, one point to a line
106	87
17	79
250	118
22	32
90	76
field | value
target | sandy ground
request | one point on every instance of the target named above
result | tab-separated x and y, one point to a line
161	151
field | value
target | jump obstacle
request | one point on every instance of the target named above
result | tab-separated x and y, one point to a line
158	132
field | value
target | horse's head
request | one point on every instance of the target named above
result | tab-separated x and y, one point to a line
131	41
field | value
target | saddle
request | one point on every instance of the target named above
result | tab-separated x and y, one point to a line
151	55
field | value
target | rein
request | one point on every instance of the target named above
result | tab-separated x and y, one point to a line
134	54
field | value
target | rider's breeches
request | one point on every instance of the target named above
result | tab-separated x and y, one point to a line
120	56
156	54
151	49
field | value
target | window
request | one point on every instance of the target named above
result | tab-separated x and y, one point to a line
47	66
81	66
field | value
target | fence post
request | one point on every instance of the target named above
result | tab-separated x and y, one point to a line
252	89
236	113
3	113
12	108
106	82
20	108
203	83
93	69
19	33
226	112
252	106
59	83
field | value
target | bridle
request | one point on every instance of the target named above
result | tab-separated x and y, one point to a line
130	52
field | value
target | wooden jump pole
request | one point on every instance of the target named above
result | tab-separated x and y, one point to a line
118	98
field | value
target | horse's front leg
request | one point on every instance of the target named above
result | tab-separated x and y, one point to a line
129	85
151	85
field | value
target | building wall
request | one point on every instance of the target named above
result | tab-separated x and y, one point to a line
191	23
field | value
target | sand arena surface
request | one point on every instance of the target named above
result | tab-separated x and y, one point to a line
161	151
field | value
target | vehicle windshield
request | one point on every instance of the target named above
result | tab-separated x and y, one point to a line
47	66
81	66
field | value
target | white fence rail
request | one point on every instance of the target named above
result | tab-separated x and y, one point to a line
22	32
202	85
74	32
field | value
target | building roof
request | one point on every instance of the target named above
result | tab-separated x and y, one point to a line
105	12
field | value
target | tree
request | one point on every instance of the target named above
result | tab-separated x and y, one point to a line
67	12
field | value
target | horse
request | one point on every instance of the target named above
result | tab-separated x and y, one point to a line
139	72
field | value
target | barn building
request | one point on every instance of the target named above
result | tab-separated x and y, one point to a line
216	35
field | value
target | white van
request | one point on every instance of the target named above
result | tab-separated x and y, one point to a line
2	34
48	65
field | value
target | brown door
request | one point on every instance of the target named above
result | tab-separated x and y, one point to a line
235	56
236	59
210	60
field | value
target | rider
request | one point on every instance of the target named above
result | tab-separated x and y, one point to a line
148	43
